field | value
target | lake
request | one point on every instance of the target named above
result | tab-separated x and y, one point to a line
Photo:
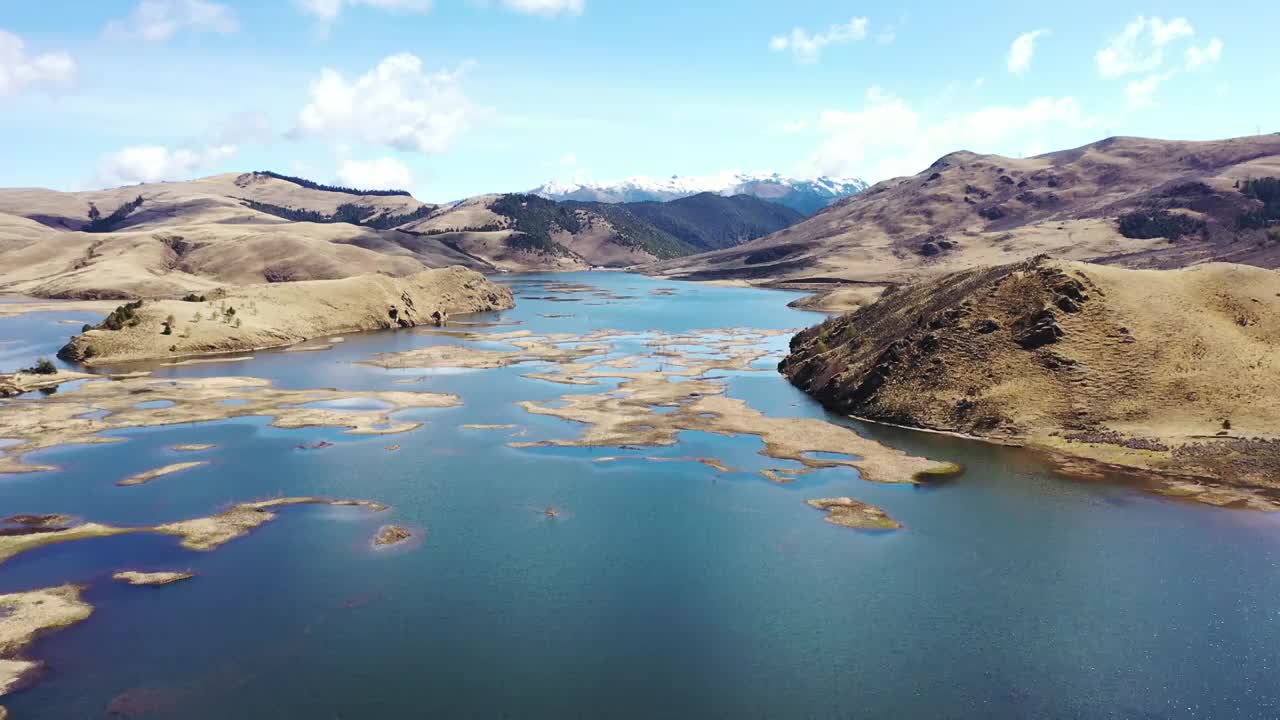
663	589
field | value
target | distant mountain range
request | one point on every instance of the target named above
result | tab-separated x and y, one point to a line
1137	202
805	196
169	239
518	231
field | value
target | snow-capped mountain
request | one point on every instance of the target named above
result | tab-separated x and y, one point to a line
806	196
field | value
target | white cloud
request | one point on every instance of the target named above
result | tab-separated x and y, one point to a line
1139	48
545	7
1022	50
384	173
1207	55
153	163
792	127
329	10
159	20
244	127
888	138
19	70
1141	93
396	104
807	48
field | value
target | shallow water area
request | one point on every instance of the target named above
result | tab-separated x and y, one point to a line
662	587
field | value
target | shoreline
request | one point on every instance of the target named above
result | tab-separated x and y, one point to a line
280	315
1082	467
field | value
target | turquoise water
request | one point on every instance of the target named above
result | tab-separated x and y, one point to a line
664	589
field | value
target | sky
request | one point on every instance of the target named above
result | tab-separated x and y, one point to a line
453	98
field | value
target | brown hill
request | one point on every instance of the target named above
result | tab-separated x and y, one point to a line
198	235
1173	371
166	239
518	231
1181	203
265	316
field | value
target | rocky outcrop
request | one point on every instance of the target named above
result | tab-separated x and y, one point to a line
391	535
851	513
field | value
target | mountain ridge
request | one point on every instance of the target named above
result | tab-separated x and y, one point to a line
171	238
1136	202
804	195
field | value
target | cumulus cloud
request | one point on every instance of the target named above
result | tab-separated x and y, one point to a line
329	10
20	70
546	7
1141	93
1140	47
792	127
154	163
243	128
887	137
1022	50
807	48
384	173
397	104
1198	57
160	20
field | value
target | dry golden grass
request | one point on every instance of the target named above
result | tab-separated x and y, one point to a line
276	315
1175	371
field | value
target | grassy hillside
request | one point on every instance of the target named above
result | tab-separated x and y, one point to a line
1167	370
1136	202
596	233
708	221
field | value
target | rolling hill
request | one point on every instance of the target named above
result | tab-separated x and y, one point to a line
1127	201
1172	371
522	231
171	238
166	239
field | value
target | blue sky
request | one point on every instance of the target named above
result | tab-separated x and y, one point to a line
451	98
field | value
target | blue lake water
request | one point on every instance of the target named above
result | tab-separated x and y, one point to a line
664	589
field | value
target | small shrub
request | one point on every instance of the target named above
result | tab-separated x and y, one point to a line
1147	225
43	366
992	212
192	297
99	224
122	317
